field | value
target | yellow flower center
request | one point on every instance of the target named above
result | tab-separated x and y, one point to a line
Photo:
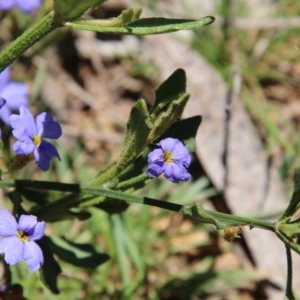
22	236
168	156
37	139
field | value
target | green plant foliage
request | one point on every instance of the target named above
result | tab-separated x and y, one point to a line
68	10
50	268
144	26
137	131
80	255
171	98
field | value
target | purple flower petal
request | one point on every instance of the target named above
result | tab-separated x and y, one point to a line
51	129
181	155
8	224
43	154
28	6
5	113
169	144
24	121
30	133
155	169
16	94
27	223
5	74
23	148
38	232
156	155
30	225
12	247
33	256
176	173
172	159
17	240
2	102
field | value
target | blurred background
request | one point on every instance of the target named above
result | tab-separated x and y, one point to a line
243	75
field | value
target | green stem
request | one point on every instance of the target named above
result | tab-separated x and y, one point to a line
36	32
238	220
289	278
105	176
68	202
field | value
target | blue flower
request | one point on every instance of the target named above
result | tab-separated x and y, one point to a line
171	159
15	94
30	134
27	6
18	239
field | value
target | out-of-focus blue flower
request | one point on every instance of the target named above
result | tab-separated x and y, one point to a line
27	6
171	159
18	239
30	134
15	94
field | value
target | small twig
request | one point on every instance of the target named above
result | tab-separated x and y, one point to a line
289	277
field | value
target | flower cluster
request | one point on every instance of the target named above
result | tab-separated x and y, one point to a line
14	93
171	159
27	6
30	134
18	239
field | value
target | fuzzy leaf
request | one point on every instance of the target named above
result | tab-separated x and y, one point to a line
137	131
67	10
144	26
171	98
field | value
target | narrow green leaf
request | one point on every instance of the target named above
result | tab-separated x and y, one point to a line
34	196
171	98
167	117
50	268
67	10
112	206
137	131
129	15
295	201
80	255
144	26
172	88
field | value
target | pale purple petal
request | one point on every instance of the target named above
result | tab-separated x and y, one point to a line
24	121
176	173
28	131
155	169
15	94
33	256
24	148
28	6
174	164
5	74
38	232
2	102
43	154
27	223
181	155
8	224
12	248
19	133
156	155
50	128
169	144
5	113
